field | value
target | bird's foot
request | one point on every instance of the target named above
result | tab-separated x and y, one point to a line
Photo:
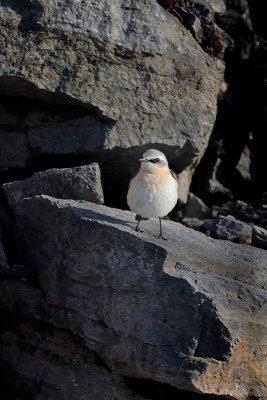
160	237
138	229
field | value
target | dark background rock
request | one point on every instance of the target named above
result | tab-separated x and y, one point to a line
4	267
241	210
259	236
195	208
229	228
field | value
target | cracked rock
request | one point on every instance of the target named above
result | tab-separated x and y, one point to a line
79	183
242	211
229	228
201	295
184	181
259	236
132	82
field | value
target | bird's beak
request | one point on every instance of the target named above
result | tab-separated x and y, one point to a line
143	160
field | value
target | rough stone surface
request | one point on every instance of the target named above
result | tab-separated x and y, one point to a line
229	228
199	18
140	82
195	208
215	187
259	236
79	183
241	210
48	362
184	181
201	295
243	166
92	309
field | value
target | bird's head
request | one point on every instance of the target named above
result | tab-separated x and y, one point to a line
153	161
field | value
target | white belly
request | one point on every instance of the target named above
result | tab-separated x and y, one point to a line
152	196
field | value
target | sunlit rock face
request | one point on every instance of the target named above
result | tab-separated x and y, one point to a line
137	71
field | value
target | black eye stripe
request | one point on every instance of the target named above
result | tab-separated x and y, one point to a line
155	160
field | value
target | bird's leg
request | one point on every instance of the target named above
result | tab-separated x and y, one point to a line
160	230
137	226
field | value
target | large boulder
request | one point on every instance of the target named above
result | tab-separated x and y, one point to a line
79	183
132	73
187	312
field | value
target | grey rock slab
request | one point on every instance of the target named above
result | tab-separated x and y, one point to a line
240	262
140	74
78	183
177	311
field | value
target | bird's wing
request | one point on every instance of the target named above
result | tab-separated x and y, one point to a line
173	174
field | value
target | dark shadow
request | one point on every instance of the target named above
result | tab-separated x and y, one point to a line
163	391
86	213
30	10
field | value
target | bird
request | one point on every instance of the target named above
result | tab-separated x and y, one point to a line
153	192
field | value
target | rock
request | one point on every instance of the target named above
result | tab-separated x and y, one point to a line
201	295
243	166
4	267
209	226
79	183
199	18
54	359
193	223
242	211
236	22
215	187
195	208
259	236
184	181
121	77
229	228
6	221
192	23
218	6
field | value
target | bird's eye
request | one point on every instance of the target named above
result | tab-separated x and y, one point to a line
155	160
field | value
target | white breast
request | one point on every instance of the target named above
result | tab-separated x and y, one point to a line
152	195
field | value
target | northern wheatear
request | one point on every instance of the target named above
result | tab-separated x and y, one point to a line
153	192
